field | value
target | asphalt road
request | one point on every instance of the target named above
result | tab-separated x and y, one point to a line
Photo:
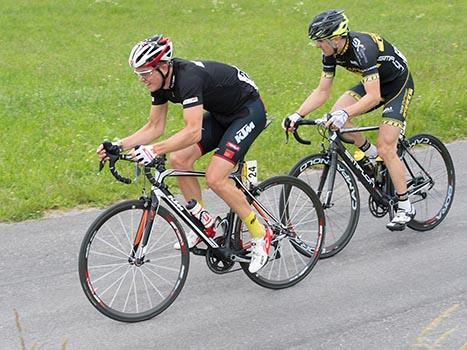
386	290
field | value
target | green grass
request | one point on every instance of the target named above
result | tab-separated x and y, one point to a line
65	84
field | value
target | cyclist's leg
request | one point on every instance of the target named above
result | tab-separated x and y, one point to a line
236	141
184	159
393	125
234	144
387	149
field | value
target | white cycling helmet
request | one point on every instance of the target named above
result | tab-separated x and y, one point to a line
151	51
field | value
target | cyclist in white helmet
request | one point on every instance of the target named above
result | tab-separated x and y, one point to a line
386	81
233	117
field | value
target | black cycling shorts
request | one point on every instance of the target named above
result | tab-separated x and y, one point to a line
396	97
233	139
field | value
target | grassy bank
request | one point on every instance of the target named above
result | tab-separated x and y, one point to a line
65	84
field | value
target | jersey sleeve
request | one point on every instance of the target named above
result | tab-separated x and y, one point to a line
366	53
191	91
157	98
329	67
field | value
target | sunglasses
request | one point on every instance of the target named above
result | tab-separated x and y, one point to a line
145	73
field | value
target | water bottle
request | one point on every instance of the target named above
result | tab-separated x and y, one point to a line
364	162
380	171
197	210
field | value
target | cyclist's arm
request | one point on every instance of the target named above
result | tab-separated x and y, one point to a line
370	100
189	135
153	129
318	97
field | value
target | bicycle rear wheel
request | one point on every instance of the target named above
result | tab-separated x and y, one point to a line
117	286
294	212
431	180
344	210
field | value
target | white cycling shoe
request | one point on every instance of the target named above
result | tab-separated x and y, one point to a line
260	251
191	238
401	218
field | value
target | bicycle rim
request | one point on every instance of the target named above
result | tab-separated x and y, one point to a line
122	290
295	208
433	200
343	213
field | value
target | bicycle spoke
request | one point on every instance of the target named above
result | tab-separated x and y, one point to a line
122	278
158	275
110	255
108	273
116	239
163	267
112	246
125	230
154	287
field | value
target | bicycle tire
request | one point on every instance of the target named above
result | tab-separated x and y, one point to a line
342	217
305	222
104	263
434	157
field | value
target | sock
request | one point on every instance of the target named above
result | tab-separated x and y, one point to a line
253	225
371	152
403	202
365	145
369	149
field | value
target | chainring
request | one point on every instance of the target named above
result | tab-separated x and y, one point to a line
376	209
216	264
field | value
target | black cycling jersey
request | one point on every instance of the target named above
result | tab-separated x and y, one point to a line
220	88
370	56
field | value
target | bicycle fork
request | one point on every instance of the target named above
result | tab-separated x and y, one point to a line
328	177
140	242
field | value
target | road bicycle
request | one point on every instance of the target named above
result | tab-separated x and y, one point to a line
331	173
130	271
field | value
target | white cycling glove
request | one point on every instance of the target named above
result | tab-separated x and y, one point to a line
290	121
338	118
144	154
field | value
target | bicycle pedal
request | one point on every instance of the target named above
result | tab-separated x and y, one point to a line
399	227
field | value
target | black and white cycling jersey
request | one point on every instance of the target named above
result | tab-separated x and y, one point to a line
221	89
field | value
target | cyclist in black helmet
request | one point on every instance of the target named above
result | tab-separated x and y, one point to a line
386	81
234	117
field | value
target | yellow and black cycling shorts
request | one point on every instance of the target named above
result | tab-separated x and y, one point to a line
395	97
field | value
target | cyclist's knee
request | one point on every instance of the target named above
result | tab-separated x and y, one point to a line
215	181
386	150
344	101
180	161
183	159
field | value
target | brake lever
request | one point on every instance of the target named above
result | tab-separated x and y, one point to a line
286	137
101	166
137	172
321	121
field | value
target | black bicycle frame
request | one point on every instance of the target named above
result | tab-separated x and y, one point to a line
337	148
160	190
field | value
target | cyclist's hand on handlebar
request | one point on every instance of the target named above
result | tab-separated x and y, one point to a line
289	122
114	148
337	119
144	154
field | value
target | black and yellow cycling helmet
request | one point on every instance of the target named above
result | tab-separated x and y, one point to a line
328	24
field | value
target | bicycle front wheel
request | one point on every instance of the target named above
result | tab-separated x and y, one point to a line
114	283
343	210
431	180
293	211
